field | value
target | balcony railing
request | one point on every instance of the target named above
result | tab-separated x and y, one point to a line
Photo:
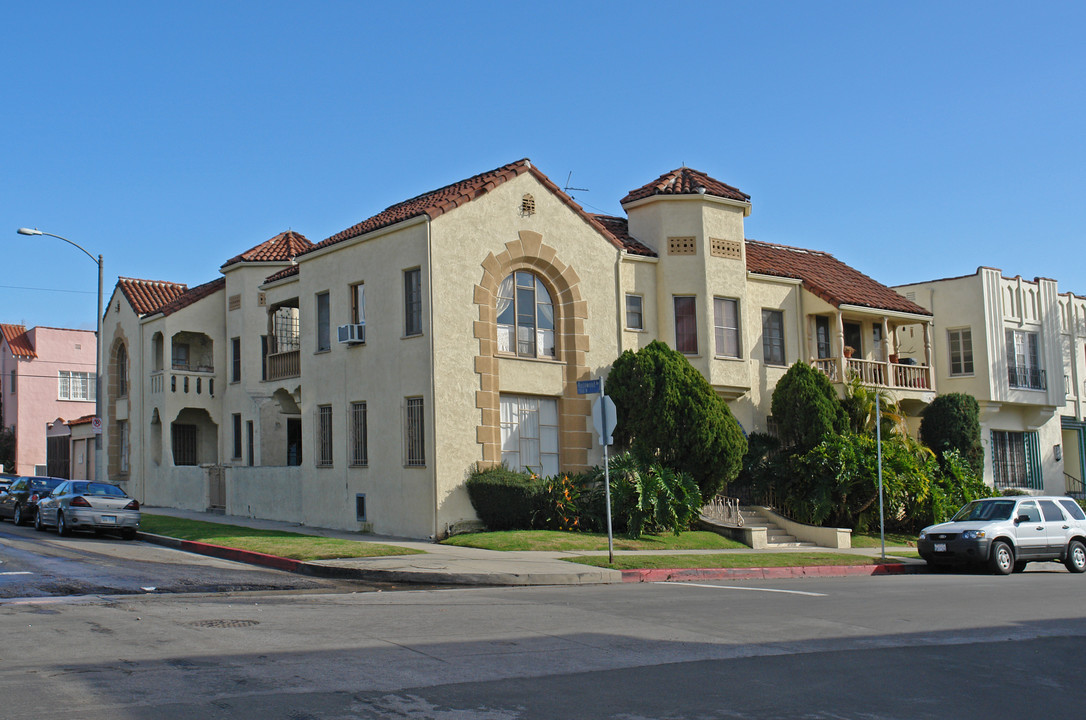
284	365
876	373
1026	377
184	382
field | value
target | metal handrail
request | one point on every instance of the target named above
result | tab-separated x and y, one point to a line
723	509
1074	487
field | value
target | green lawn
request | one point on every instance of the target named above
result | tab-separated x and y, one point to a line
554	540
729	560
872	540
273	542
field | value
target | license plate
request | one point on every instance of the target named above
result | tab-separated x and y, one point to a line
109	519
940	547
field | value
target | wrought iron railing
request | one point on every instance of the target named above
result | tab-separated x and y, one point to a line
724	510
1029	378
1075	487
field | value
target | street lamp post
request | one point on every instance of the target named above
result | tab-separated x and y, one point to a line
97	346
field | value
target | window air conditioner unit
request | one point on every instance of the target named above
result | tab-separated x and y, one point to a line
352	334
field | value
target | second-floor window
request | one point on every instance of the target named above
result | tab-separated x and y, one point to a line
324	315
960	341
235	360
773	337
1023	360
635	319
686	324
822	337
726	326
122	371
75	385
525	316
412	302
358	303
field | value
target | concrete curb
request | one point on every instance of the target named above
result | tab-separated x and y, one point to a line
767	573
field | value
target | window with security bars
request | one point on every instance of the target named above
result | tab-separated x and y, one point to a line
286	336
359	450
324	436
76	386
1016	460
1023	360
414	433
184	444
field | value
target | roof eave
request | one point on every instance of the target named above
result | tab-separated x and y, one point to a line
688	197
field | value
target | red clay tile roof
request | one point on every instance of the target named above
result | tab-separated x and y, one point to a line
17	340
619	229
146	296
440	201
284	273
281	248
80	420
188	298
686	181
827	277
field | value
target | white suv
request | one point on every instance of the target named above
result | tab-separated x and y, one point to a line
1008	532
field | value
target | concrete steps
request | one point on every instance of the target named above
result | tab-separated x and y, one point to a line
776	537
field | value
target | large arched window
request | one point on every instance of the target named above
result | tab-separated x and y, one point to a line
122	370
525	316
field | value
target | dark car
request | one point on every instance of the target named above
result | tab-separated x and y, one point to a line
20	501
88	505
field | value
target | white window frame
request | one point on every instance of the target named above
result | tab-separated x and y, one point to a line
528	335
530	436
722	330
960	342
639	313
66	386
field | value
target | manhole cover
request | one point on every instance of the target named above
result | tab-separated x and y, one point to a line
224	623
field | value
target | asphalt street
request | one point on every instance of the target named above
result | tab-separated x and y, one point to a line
951	645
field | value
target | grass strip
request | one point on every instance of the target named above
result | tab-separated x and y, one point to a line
295	546
557	541
873	540
729	560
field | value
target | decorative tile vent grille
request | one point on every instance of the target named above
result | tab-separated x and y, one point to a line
235	302
681	246
527	205
729	249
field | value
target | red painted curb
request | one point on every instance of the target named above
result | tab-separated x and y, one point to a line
765	573
245	556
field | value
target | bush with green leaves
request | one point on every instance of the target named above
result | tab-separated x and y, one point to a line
952	422
669	414
505	499
7	449
806	408
646	498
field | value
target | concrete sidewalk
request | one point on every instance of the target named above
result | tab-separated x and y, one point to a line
451	565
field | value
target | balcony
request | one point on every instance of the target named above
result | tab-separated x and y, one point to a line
284	365
1027	378
875	373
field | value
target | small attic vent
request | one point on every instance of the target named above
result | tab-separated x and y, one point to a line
261	299
910	296
730	249
527	205
681	246
235	302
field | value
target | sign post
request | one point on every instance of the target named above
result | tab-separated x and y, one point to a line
604	419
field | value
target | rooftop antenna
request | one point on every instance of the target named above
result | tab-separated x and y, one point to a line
569	187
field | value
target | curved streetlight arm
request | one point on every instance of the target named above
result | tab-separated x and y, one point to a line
35	231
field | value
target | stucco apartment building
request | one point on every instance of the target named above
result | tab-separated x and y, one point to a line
46	374
354	382
1019	347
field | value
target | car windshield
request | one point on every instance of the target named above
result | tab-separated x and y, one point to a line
93	488
985	510
44	483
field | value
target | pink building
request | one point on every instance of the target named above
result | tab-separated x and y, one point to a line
45	374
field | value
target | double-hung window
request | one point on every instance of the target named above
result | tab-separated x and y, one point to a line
75	385
773	337
686	324
726	327
635	318
960	342
412	302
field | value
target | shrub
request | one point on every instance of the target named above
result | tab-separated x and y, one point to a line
646	498
669	414
560	504
505	499
952	422
806	408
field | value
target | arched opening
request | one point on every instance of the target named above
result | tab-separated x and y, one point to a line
525	316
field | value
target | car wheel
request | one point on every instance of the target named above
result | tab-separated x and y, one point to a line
62	527
17	516
1019	566
1075	561
1001	561
39	524
128	534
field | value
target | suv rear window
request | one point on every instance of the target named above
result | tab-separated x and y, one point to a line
1073	509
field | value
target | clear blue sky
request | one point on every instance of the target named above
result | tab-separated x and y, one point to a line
911	140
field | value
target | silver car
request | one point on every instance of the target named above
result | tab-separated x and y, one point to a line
1008	532
86	505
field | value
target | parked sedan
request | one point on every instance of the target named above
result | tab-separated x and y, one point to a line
20	502
86	505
